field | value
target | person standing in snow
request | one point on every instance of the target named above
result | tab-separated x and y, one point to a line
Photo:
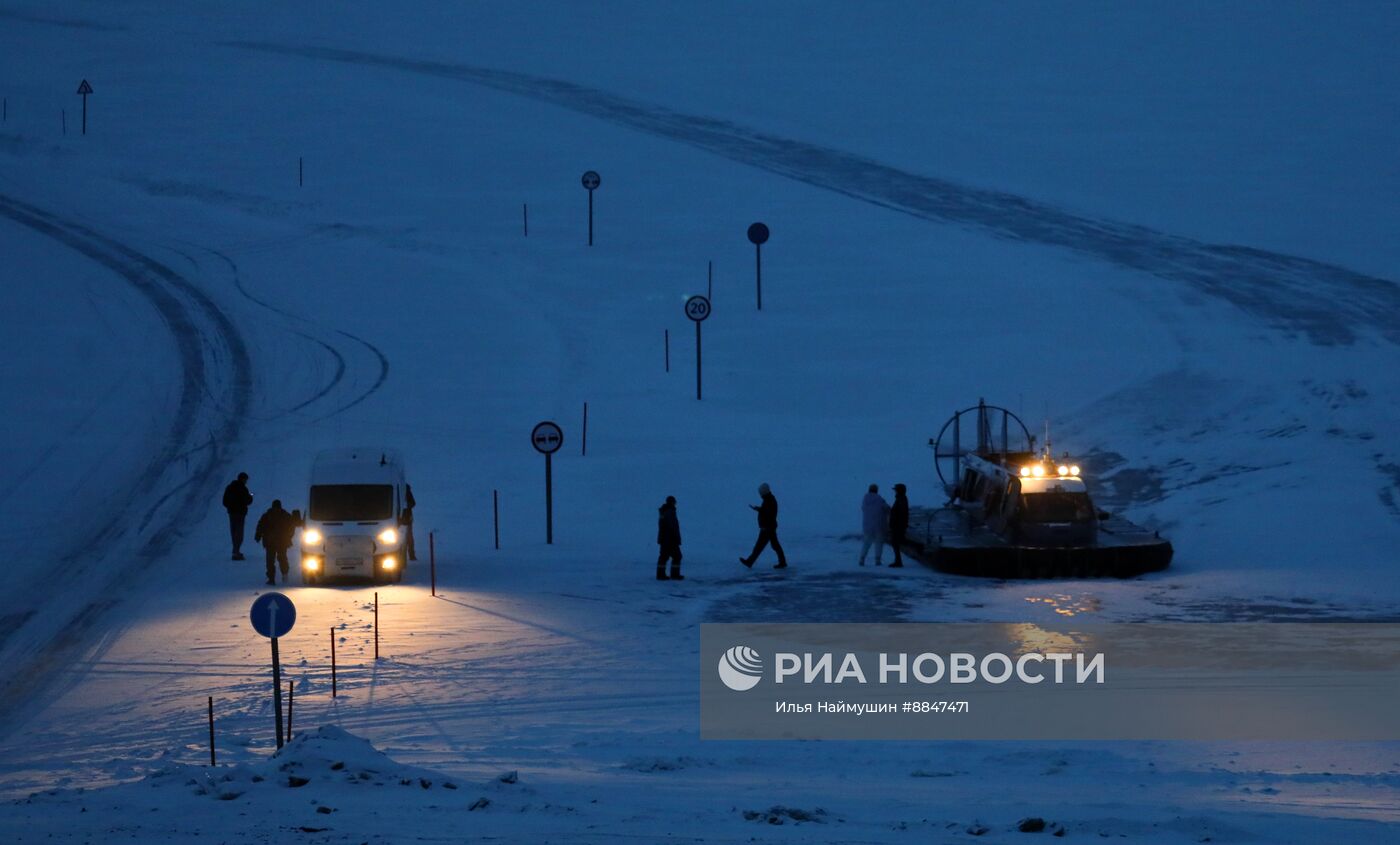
767	529
874	517
274	530
899	523
668	537
236	502
406	520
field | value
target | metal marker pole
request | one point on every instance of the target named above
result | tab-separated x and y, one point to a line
301	171
291	699
211	731
525	213
432	560
585	429
590	217
496	517
549	498
668	350
376	625
758	269
710	283
84	114
333	689
697	360
277	690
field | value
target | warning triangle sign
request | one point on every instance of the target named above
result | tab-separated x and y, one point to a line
84	87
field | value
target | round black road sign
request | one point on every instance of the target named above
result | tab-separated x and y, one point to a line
592	180
758	234
697	308
547	438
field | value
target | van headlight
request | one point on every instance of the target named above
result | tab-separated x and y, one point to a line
389	536
311	537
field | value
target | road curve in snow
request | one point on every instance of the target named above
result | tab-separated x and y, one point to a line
1326	303
180	477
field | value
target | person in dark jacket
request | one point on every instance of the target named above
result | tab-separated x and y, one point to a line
899	523
767	529
406	520
274	531
236	502
668	537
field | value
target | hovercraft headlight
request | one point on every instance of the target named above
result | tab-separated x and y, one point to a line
1025	471
1063	470
1038	471
311	537
1074	470
389	536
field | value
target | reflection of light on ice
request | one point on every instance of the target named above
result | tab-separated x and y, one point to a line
1067	605
1027	638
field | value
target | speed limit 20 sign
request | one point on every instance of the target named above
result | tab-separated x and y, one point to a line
697	308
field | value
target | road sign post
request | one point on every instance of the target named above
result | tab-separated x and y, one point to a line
697	308
758	236
273	615
547	439
591	181
84	89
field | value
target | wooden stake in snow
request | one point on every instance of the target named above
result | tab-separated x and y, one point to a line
376	625
496	517
432	560
211	731
291	693
332	661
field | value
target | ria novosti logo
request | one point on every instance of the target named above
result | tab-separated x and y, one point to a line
740	668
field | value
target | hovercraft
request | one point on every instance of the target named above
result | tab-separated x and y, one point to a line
1015	512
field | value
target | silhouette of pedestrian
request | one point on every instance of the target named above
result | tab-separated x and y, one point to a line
274	530
874	518
406	520
236	502
899	523
767	529
668	537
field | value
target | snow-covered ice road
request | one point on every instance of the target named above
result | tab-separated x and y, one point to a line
1326	303
215	390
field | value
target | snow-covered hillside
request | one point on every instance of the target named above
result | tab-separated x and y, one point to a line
1167	228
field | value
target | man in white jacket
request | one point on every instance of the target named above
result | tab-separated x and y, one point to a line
874	518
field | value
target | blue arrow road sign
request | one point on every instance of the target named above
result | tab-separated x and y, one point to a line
273	615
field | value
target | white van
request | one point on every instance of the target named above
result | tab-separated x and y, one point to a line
352	527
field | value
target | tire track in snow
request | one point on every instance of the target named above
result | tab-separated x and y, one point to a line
1328	304
211	351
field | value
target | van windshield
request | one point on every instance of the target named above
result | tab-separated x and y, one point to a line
351	502
1056	507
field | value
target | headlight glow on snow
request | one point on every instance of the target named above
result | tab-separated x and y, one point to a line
389	536
389	562
311	537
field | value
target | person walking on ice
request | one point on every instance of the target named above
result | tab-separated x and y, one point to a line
874	517
274	531
767	529
668	537
899	523
236	502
